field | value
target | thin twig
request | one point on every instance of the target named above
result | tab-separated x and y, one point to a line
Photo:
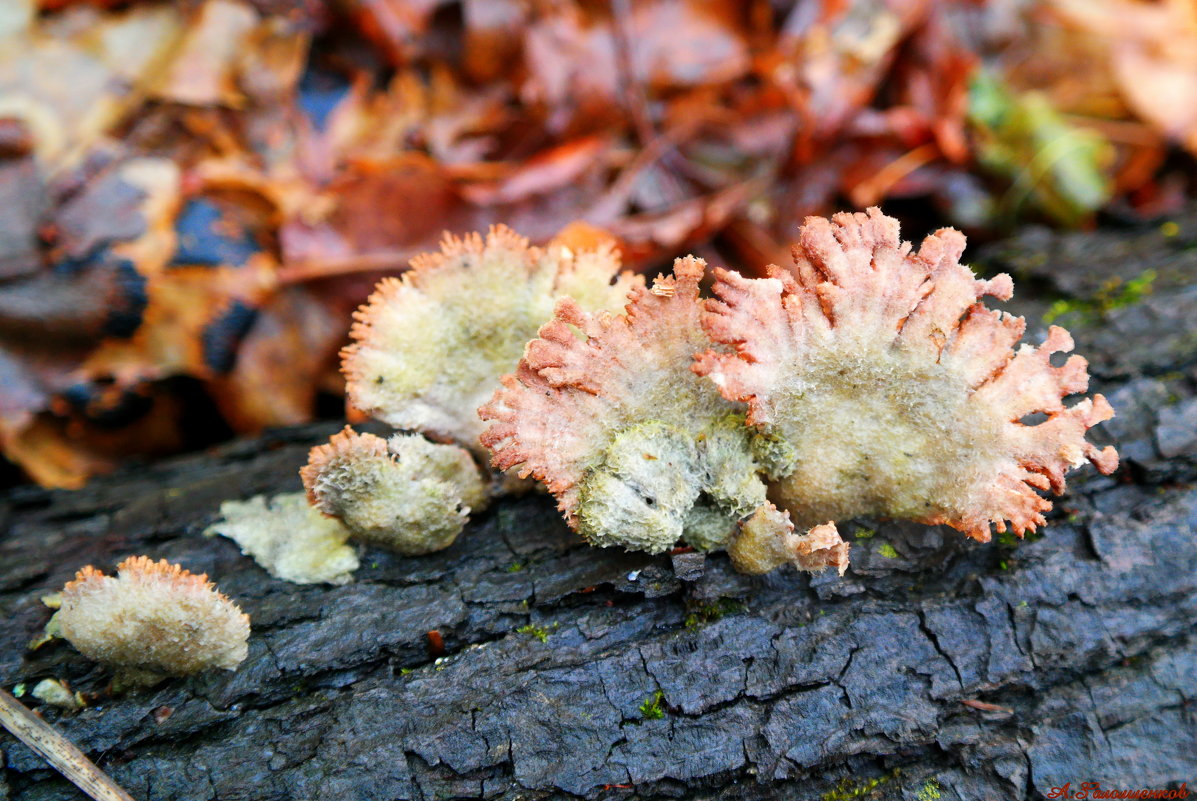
870	191
296	272
58	751
985	706
622	29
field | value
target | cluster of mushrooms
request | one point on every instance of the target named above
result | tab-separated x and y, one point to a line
868	378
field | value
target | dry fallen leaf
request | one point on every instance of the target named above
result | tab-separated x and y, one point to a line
194	195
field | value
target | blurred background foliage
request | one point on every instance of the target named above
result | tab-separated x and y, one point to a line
195	195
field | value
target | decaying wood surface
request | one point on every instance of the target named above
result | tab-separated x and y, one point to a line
936	668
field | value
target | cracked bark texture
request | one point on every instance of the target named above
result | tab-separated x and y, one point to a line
783	686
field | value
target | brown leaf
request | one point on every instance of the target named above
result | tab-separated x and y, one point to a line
389	206
493	34
203	67
193	322
71	85
573	54
546	171
393	25
279	365
23	199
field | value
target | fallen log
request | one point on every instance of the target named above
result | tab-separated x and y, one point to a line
520	663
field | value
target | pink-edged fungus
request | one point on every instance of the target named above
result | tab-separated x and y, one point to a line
429	346
760	548
406	494
153	619
900	393
638	450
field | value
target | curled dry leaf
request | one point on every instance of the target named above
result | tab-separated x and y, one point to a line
406	493
152	619
429	347
639	451
901	394
203	67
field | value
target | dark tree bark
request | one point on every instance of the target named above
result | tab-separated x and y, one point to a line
1079	644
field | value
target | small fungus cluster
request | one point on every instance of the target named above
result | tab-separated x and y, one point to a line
899	391
429	348
868	379
404	493
639	450
153	619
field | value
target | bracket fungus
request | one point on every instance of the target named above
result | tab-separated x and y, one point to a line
900	393
766	541
153	619
289	538
406	493
639	451
429	346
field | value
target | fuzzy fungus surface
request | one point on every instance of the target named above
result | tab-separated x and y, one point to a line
639	451
766	541
152	619
429	347
405	494
900	393
289	538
